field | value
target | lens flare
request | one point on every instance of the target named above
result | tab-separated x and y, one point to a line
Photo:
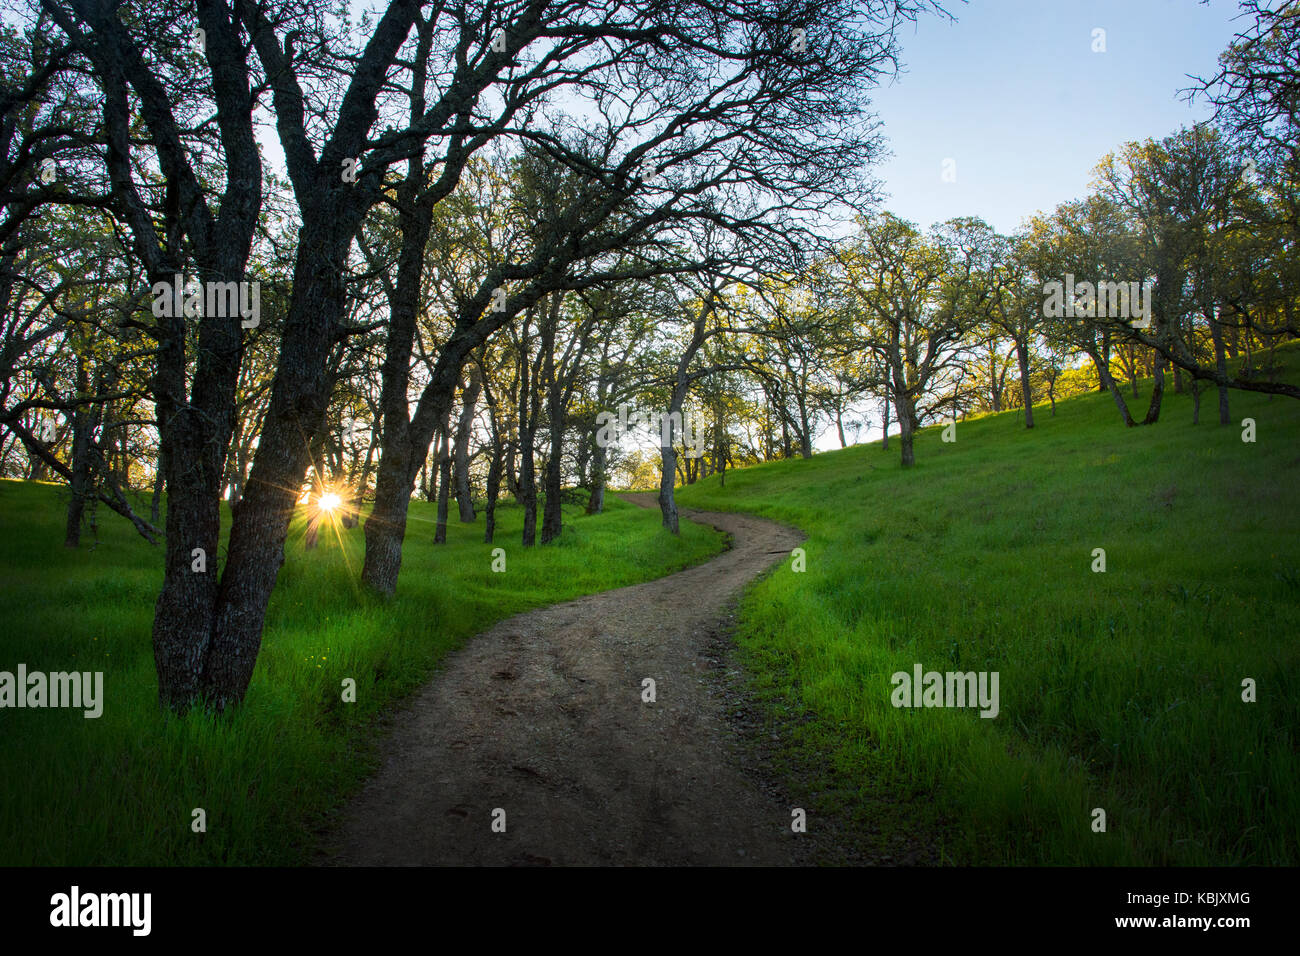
330	501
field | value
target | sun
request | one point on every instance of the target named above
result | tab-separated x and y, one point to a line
329	501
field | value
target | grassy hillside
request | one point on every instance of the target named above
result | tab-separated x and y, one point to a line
120	789
1119	690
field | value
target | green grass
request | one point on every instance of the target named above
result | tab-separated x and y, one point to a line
1120	690
120	789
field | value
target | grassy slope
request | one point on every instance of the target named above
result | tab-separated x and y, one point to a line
120	789
1119	690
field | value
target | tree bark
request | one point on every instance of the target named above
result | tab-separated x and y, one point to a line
464	496
1157	394
493	492
1108	381
444	486
596	503
1026	387
884	438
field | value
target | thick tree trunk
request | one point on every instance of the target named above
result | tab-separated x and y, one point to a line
906	433
385	528
552	516
904	407
596	503
404	455
1108	381
79	489
667	472
187	613
493	492
667	440
1026	387
1157	395
207	634
528	486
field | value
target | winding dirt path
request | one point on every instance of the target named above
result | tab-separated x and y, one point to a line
542	716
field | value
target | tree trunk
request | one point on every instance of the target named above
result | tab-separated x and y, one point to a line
1108	381
1026	387
906	425
1157	394
464	497
528	486
206	636
444	486
667	472
385	528
493	491
552	515
884	439
805	432
596	503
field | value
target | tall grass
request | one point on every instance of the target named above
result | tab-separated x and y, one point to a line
1119	690
121	789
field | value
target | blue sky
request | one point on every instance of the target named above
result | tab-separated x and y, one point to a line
1014	94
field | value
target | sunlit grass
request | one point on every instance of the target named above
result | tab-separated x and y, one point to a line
1120	690
121	789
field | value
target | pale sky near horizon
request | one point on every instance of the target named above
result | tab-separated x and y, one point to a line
1013	93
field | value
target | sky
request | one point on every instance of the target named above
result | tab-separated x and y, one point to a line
1014	95
1012	92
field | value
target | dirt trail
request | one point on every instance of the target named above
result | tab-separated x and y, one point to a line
542	716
